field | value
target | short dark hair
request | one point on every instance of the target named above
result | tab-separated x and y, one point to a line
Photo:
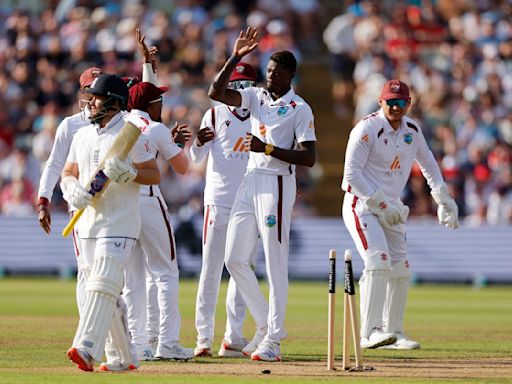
286	59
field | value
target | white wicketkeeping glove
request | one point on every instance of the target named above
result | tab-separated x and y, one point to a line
388	214
119	171
74	193
447	210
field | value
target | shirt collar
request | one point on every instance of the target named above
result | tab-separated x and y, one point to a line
138	112
387	127
285	99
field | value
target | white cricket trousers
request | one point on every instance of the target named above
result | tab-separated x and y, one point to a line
156	252
215	227
263	205
81	278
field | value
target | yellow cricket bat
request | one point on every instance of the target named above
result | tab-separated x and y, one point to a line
121	147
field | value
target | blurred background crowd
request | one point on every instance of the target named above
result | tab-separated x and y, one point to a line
455	55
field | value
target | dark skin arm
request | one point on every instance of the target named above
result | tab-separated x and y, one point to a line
246	42
305	154
45	219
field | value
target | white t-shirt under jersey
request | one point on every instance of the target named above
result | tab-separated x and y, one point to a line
283	122
378	157
116	213
227	156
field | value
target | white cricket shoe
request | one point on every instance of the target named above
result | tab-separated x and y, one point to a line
146	354
267	351
402	342
174	351
81	358
203	348
117	366
255	342
232	350
377	338
153	344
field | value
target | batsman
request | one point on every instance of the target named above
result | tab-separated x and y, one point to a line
381	151
110	224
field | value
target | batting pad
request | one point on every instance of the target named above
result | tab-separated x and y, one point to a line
103	288
118	347
373	294
396	298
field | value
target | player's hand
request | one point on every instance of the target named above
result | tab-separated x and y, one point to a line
447	210
246	42
254	144
149	54
119	171
204	135
181	134
45	219
388	214
74	193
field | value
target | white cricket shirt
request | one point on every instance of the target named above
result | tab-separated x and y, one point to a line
55	163
116	213
157	139
227	155
283	122
378	157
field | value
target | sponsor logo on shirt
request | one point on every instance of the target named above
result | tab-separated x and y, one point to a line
239	146
365	138
408	138
263	130
395	164
270	221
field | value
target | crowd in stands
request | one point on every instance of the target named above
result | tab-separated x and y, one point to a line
457	58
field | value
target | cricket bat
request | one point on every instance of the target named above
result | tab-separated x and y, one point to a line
121	147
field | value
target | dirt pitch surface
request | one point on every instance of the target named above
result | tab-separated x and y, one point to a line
403	368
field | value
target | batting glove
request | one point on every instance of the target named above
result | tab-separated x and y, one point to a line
387	213
119	171
74	193
447	210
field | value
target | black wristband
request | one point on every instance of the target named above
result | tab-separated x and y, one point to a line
233	59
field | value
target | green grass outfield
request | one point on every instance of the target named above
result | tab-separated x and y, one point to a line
453	323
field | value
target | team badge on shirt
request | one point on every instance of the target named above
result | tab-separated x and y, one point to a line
282	111
270	221
408	138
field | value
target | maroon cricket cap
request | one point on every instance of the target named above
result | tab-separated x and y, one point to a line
88	76
142	94
395	89
243	71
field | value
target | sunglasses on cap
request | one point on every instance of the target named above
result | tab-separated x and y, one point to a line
401	103
241	84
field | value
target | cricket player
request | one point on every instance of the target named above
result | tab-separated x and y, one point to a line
156	248
110	224
54	165
221	140
380	154
282	136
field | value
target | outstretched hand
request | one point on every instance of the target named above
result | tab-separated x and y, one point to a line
246	42
181	134
204	135
149	54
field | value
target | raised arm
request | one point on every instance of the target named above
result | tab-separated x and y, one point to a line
246	42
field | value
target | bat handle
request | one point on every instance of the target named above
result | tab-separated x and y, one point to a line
67	230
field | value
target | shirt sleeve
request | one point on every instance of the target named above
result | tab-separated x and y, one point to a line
305	124
359	145
428	164
56	160
198	154
165	143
